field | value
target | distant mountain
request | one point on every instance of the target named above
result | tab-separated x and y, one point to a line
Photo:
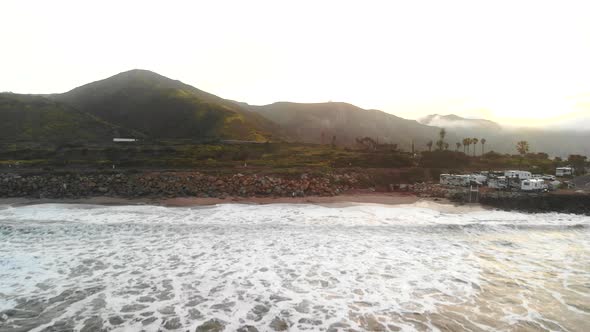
141	103
319	122
163	108
452	121
555	142
39	119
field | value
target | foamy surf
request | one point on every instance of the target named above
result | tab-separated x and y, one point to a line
297	267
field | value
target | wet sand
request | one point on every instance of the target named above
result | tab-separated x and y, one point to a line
356	197
344	200
371	198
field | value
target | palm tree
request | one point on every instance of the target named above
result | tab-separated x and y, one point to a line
429	145
474	142
458	146
466	143
523	148
441	142
483	143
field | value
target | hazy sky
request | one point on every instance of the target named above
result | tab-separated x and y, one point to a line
503	60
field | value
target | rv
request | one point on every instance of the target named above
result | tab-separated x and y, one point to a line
533	185
564	171
522	175
479	178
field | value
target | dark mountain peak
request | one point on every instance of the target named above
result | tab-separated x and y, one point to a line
135	79
139	71
161	107
143	76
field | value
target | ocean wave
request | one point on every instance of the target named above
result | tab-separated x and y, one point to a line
363	267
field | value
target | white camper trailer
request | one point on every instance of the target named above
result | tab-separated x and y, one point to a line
564	171
480	178
533	185
522	175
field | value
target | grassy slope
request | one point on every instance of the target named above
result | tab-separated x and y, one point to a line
307	122
167	109
35	118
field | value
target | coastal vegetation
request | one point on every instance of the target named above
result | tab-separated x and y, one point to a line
172	125
275	157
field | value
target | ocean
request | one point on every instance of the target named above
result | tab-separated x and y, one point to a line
276	267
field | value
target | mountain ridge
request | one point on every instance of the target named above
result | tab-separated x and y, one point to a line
145	104
320	122
163	108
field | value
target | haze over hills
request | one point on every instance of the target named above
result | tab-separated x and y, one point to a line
141	103
453	121
163	108
554	141
319	122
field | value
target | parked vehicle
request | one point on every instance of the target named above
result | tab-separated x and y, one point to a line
564	171
533	185
498	182
479	178
518	174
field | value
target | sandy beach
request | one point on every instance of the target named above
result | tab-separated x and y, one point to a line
344	200
353	197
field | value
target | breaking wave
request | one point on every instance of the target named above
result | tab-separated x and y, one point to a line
297	267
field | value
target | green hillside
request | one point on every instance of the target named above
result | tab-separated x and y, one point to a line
38	119
163	108
320	122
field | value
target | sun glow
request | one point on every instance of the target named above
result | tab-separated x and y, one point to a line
518	62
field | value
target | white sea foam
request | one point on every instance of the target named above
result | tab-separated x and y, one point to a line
367	267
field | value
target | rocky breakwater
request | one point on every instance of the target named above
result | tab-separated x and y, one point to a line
577	203
568	202
426	190
173	184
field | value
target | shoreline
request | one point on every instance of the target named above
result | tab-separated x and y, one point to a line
188	201
343	200
565	204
